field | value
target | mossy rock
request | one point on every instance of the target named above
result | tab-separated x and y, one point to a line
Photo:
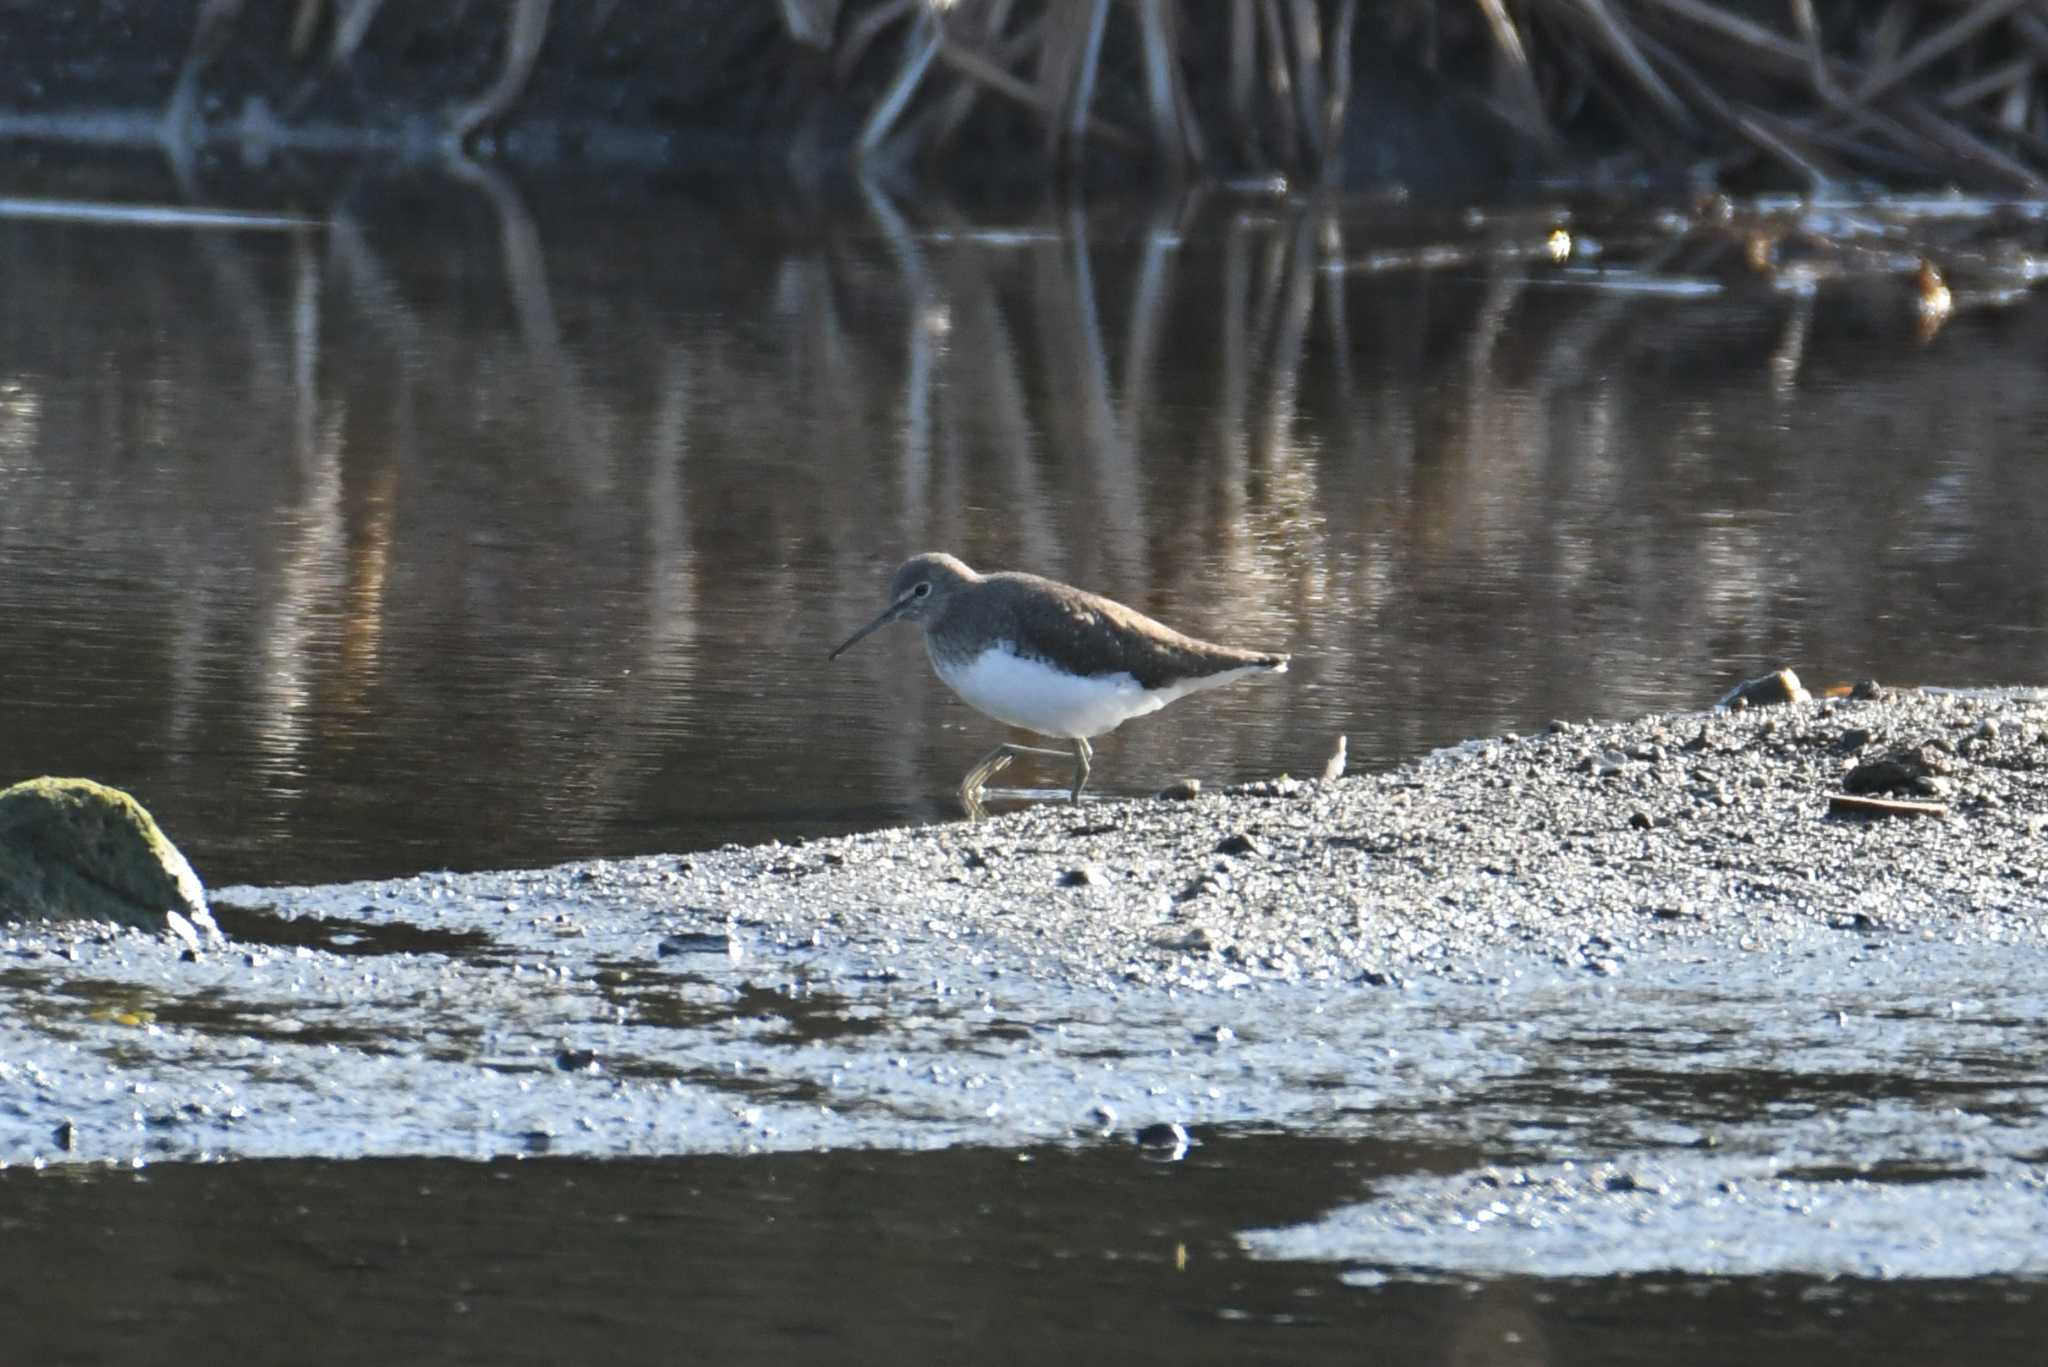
75	850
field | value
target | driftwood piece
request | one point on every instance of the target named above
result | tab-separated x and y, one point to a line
1851	804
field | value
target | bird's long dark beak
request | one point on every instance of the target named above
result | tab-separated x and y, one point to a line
889	614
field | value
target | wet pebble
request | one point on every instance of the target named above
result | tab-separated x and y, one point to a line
720	942
1164	1137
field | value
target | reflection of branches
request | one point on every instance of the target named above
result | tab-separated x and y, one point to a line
925	316
577	428
1460	451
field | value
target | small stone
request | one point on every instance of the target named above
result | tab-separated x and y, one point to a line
1084	876
1909	769
1780	687
1102	1117
66	1136
1184	791
1164	1136
1241	843
1198	940
1558	727
1608	763
579	1061
1216	1034
701	942
1641	820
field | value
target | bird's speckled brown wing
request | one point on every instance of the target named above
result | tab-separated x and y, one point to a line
1056	623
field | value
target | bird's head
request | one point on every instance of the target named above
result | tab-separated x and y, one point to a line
917	591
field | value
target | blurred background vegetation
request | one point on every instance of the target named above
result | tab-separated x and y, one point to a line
1809	93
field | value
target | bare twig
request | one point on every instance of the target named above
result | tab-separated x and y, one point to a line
1935	46
1612	34
1339	82
1244	43
1279	80
920	46
1512	69
810	22
1809	30
1167	134
351	23
1759	40
522	50
864	31
1084	86
1308	75
1996	81
961	102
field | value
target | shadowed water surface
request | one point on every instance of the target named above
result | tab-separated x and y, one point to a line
997	1256
472	526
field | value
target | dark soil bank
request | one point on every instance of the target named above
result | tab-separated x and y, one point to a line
1650	944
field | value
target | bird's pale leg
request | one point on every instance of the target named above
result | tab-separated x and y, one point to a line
993	763
1083	757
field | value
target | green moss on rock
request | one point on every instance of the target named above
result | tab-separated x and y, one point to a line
75	850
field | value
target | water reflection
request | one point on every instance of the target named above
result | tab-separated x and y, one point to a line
489	525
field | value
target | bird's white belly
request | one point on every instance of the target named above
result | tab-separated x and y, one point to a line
1039	698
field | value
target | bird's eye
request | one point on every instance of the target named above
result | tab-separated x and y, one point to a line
922	590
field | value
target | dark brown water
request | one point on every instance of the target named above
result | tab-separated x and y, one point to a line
475	526
970	1255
